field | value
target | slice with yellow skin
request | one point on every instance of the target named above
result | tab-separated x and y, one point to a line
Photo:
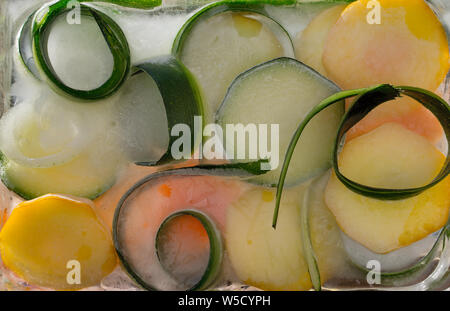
408	47
309	43
42	236
261	256
390	157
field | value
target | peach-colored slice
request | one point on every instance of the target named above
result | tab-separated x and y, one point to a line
408	47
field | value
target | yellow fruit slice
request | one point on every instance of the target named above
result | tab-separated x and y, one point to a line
408	47
261	256
44	240
309	44
391	157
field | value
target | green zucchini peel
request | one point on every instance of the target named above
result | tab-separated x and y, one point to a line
113	35
215	246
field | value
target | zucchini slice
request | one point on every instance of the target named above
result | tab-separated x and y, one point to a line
144	212
43	133
367	99
48	17
340	258
224	39
283	91
53	145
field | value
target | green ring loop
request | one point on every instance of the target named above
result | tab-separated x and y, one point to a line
112	33
366	102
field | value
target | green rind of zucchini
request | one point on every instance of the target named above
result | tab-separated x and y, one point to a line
181	98
112	34
368	99
242	169
407	277
134	4
215	246
309	254
217	8
28	195
308	117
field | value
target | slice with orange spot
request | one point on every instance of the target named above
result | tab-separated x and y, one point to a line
44	237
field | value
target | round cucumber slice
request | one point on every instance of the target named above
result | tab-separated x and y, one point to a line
224	39
282	92
50	15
